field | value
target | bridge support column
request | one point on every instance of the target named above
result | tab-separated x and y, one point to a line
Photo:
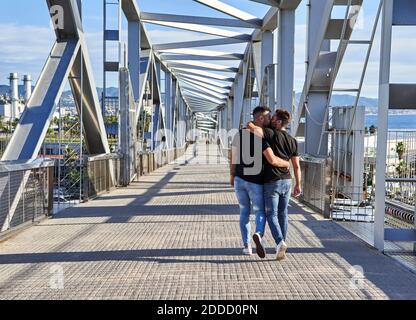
127	130
285	59
316	113
267	54
134	32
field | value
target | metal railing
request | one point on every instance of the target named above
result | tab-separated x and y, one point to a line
341	187
27	189
101	174
401	202
316	181
151	161
26	192
3	145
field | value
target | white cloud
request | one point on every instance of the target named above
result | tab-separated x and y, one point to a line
24	49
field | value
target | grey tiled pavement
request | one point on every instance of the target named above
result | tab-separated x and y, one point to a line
175	235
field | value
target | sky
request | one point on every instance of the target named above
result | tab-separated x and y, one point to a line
26	38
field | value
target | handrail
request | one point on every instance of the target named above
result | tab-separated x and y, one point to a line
406	180
8	166
104	156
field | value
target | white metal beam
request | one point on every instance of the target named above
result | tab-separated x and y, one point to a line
190	86
201	29
272	3
233	23
202	96
200	43
204	65
206	86
382	125
182	57
231	11
203	74
203	80
199	52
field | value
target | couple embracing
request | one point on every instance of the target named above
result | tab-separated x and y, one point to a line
261	157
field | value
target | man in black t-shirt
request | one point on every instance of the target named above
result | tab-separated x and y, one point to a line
278	181
247	175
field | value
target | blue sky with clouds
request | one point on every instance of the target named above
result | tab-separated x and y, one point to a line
26	38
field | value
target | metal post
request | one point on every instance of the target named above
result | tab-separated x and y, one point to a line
124	126
383	111
81	124
134	57
104	94
414	244
168	109
50	177
286	59
316	113
267	43
267	54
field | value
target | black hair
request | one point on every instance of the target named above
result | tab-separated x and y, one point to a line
260	110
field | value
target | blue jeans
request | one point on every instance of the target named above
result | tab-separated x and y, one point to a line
250	194
276	198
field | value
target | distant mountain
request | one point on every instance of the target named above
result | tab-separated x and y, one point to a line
337	100
349	100
111	92
4	89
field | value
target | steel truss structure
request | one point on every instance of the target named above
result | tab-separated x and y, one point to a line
183	86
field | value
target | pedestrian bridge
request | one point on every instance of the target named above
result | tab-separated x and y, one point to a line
175	235
122	198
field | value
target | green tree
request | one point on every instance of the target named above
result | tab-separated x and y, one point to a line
401	168
400	149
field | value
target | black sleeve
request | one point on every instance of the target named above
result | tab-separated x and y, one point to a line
265	145
295	147
268	134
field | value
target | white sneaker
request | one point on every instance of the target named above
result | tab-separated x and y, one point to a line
281	251
248	251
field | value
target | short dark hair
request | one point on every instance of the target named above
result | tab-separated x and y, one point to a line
283	116
259	111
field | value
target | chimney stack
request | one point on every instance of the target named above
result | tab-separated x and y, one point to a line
27	81
14	95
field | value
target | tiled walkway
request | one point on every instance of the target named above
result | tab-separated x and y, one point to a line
175	235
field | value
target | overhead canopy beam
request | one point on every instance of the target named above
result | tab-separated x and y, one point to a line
273	3
202	96
200	43
202	65
204	74
207	118
220	22
222	94
208	86
199	52
200	103
181	57
203	80
190	86
293	4
231	11
201	29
